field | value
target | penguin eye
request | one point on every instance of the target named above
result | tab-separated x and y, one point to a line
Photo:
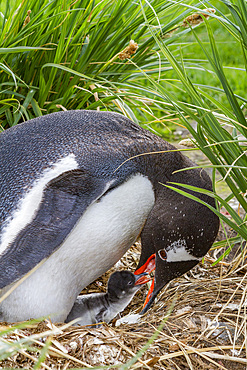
163	255
129	282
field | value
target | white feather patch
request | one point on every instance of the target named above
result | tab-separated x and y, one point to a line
29	204
177	252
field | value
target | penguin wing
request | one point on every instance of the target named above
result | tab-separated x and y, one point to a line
64	200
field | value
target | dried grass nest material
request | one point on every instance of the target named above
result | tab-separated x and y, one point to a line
206	329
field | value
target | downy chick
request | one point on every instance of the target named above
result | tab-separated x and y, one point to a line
103	307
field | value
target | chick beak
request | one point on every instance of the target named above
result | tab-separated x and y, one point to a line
142	278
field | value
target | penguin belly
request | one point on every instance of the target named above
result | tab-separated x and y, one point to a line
100	238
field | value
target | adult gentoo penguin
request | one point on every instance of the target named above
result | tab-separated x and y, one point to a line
75	194
103	307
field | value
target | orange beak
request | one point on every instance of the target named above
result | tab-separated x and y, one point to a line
148	267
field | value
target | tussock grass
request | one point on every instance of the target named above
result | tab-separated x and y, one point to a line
69	54
219	131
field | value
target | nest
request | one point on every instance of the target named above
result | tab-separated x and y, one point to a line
204	327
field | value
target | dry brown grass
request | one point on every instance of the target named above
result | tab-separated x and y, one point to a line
206	329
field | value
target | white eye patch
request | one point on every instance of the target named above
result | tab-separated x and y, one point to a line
176	252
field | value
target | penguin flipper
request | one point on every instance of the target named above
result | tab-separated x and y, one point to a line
64	200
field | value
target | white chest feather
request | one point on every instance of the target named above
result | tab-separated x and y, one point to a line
101	237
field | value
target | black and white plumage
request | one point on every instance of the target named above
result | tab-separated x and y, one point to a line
75	193
103	307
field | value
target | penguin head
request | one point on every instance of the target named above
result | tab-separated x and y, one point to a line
124	283
164	271
173	244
